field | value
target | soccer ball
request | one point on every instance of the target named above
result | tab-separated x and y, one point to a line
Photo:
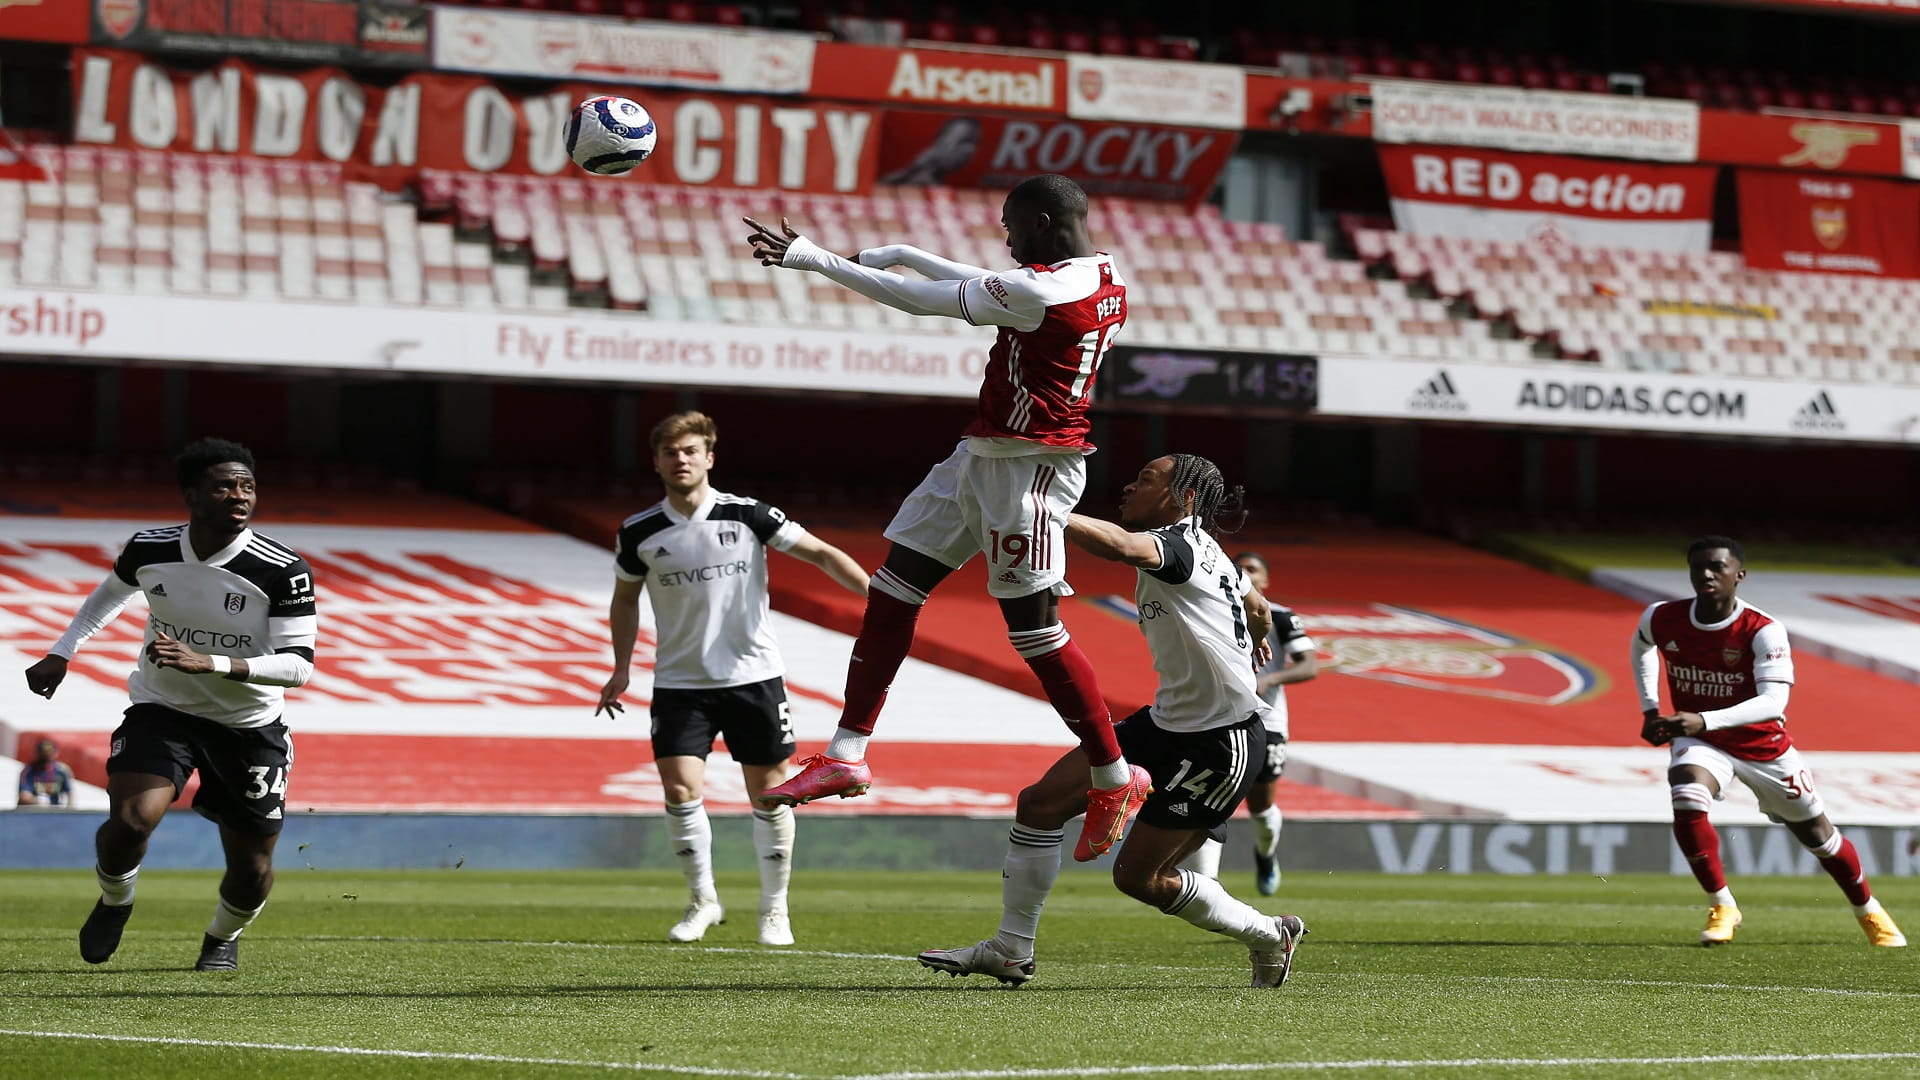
609	135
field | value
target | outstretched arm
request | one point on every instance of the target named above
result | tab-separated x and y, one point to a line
1105	540
949	298
833	562
919	261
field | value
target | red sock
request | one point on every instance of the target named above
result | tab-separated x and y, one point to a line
886	633
1068	679
1701	845
1844	865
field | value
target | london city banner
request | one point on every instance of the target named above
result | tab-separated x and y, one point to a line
1549	200
1586	396
459	123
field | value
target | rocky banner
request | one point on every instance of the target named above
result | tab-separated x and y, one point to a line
977	150
458	123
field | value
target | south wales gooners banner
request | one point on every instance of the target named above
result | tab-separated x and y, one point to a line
1830	224
1547	199
1507	118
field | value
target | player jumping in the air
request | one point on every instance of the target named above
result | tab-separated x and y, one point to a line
717	669
1729	670
1006	490
1201	739
231	625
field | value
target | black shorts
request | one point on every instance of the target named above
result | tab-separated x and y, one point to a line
243	771
1275	762
754	719
1199	777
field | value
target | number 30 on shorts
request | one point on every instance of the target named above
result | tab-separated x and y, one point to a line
267	780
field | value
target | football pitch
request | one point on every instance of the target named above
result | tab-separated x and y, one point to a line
461	974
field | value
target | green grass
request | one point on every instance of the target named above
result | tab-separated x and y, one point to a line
1417	975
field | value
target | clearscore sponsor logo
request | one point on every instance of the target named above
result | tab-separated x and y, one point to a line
1633	400
61	321
919	81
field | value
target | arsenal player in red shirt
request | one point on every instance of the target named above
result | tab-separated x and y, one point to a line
1006	490
1729	669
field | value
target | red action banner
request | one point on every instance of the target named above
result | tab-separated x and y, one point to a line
1800	142
1130	160
1545	198
459	123
1829	224
958	77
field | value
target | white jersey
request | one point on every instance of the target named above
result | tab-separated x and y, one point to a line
1192	611
706	575
252	598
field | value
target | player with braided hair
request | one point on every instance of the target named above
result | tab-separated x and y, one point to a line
1206	626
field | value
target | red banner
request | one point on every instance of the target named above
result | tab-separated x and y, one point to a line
63	21
1130	160
1800	142
460	123
1547	199
1829	224
986	80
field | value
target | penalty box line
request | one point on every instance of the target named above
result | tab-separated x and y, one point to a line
984	1074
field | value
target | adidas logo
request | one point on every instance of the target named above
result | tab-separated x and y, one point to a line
1671	646
159	588
1180	809
660	552
1437	394
273	814
1818	414
1009	577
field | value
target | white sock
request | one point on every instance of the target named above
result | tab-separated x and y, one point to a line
228	920
1207	905
1724	896
692	837
1872	905
116	890
1027	876
1112	774
848	745
1205	859
773	842
1266	831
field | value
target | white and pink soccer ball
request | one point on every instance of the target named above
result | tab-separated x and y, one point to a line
610	135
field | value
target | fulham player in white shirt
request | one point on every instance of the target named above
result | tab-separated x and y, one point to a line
1201	739
700	556
231	625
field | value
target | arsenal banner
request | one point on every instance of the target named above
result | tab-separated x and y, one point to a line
1544	199
977	150
1023	82
459	123
1841	225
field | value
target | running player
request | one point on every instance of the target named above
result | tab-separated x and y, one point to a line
1006	490
1729	669
1206	626
717	668
231	625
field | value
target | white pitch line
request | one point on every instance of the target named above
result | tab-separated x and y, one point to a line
1381	1063
421	1055
663	946
986	1074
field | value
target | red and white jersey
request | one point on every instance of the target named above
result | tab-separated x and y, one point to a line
1713	666
1039	381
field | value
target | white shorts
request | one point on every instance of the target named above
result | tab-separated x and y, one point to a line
1013	508
1783	786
